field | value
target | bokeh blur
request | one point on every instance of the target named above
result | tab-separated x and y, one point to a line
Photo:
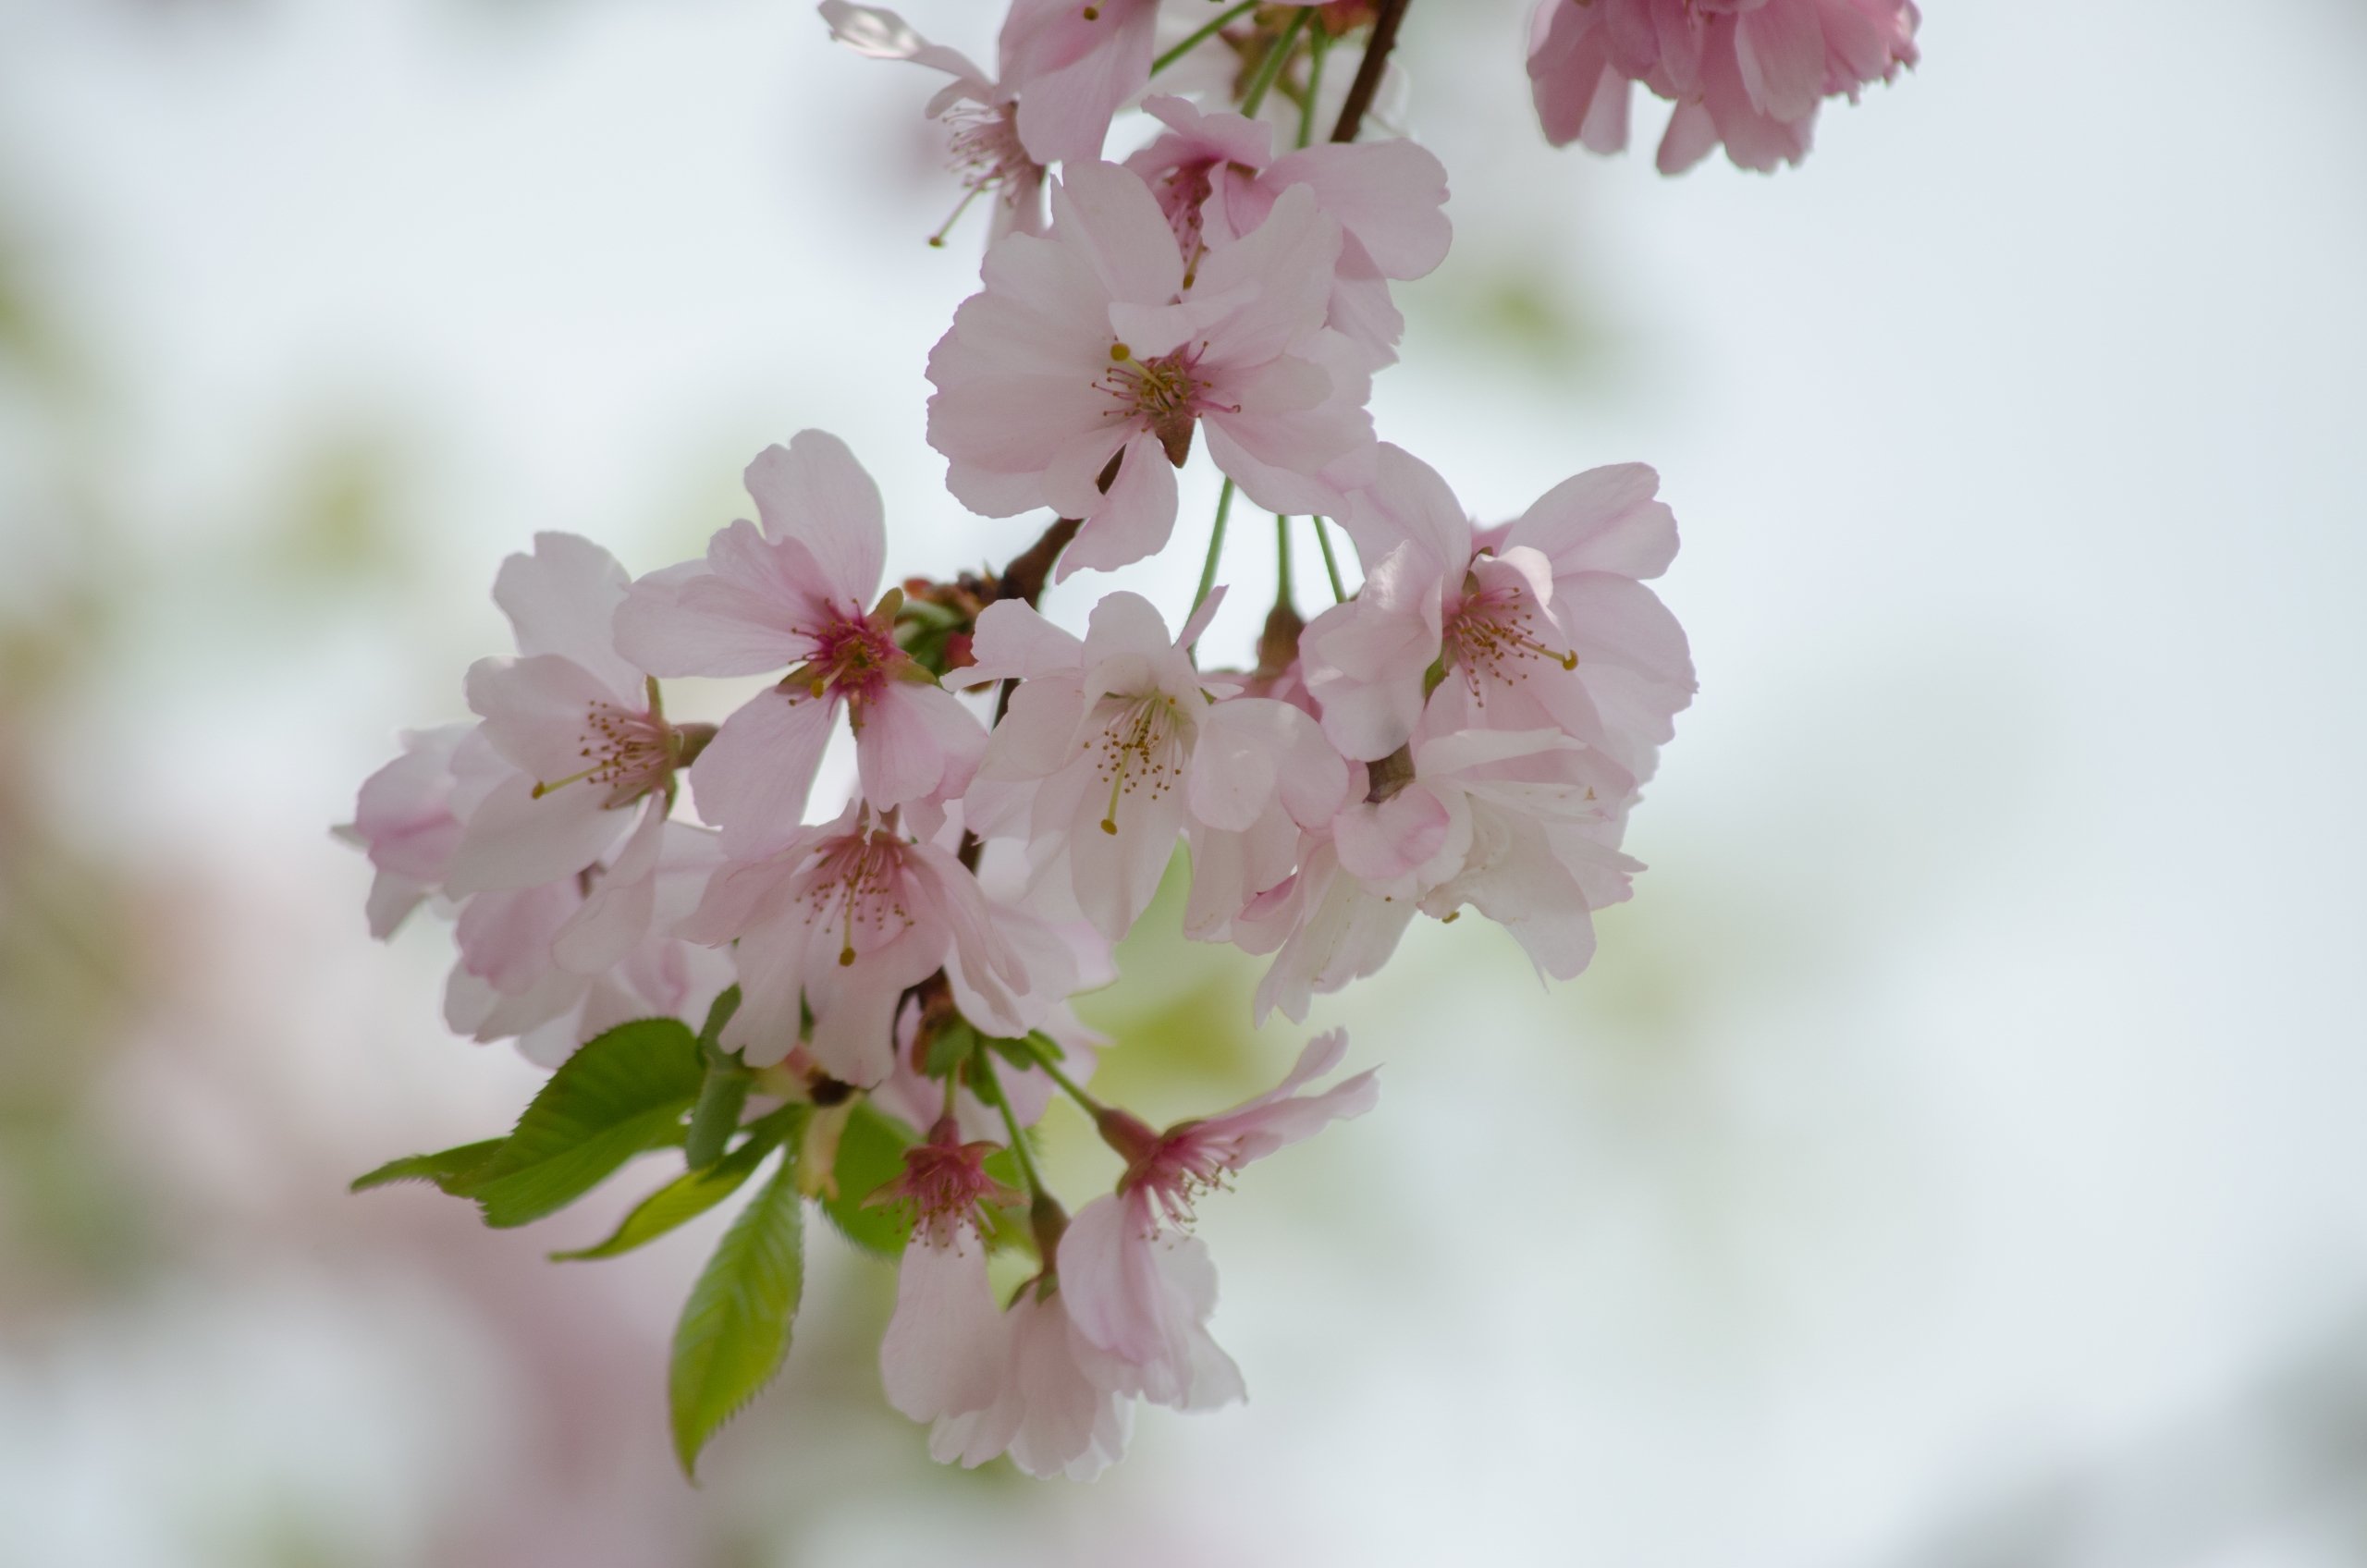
1953	1159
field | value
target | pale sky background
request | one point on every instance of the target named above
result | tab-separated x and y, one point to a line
1955	1148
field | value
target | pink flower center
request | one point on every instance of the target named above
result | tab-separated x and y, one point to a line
1182	191
628	753
1164	396
859	885
1173	1168
945	1182
1491	638
853	659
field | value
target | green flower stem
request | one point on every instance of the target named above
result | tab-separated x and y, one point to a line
1317	47
1282	560
1216	548
1201	36
1330	565
982	1068
1093	1108
1269	69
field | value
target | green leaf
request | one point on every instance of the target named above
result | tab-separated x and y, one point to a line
871	1155
622	1093
452	1169
717	1114
694	1193
734	1330
949	1048
1029	1050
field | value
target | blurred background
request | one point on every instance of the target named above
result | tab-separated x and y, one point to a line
1952	1160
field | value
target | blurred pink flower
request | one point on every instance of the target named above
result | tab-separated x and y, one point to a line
981	114
1749	73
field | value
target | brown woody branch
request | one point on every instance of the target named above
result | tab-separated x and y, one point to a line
1362	90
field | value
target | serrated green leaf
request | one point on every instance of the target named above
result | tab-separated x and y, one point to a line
448	1168
717	1114
622	1093
734	1330
871	1154
692	1194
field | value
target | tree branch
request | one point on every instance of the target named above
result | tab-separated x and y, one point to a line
1369	71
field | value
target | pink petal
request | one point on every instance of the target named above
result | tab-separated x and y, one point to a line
513	839
815	492
943	1347
561	600
1109	1279
1106	215
1604	520
753	779
537	712
1134	519
916	740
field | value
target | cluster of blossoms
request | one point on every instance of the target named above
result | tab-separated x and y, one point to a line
879	990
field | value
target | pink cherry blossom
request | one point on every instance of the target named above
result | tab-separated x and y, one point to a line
1325	929
1079	376
939	1354
408	816
1052	1410
982	116
555	965
840	923
1115	743
1217	179
795	592
593	755
1520	824
1604	533
1749	73
1543	622
1142	1294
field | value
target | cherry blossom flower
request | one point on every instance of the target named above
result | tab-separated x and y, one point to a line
1520	824
1114	743
1325	928
1140	1291
1053	1410
1217	179
660	977
944	1340
1077	378
408	814
1604	533
981	115
795	593
840	923
1749	73
581	725
556	963
1542	622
